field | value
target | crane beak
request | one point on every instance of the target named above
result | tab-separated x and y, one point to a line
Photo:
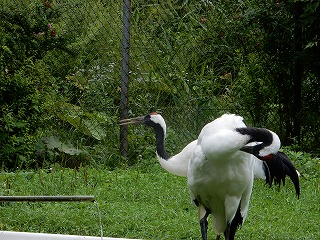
254	150
128	121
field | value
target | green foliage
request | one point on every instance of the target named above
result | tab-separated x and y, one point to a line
47	85
28	36
237	57
53	151
85	122
282	34
23	107
28	33
61	69
308	165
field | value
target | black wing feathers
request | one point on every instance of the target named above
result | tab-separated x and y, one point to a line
267	173
279	167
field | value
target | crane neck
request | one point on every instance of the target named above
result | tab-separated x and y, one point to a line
268	142
160	138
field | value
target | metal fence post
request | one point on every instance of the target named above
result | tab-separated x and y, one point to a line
125	77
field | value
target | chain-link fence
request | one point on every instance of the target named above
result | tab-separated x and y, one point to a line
195	60
192	60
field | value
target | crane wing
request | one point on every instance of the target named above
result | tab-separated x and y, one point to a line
279	167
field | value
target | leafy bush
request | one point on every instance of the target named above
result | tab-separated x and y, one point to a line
61	66
28	88
307	164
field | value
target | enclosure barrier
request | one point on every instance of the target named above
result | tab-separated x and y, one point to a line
7	235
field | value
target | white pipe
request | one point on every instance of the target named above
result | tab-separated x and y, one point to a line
7	235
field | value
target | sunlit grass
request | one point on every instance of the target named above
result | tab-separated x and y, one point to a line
148	203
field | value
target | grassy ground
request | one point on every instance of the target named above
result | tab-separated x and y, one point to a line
148	203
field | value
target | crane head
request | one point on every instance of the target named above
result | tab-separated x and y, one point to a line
263	143
153	119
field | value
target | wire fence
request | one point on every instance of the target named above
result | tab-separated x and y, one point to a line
191	60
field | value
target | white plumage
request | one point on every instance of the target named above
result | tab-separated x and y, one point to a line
220	175
178	164
221	165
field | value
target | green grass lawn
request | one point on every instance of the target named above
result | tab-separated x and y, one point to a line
148	203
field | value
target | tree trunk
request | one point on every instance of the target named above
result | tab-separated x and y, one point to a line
297	73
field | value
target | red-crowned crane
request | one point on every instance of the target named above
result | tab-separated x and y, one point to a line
276	169
226	138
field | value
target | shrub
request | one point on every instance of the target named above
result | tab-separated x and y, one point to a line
28	87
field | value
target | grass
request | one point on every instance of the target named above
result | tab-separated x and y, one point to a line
146	202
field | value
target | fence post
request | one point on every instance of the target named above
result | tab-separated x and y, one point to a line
125	77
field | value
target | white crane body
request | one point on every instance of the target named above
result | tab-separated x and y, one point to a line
221	166
220	176
221	184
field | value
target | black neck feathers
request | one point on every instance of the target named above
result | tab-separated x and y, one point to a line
160	137
256	135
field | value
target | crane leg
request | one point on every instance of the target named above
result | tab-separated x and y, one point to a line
203	215
227	232
204	228
233	226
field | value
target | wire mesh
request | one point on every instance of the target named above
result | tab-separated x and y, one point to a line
191	60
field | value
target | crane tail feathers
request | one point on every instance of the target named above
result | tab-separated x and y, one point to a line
279	167
267	173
